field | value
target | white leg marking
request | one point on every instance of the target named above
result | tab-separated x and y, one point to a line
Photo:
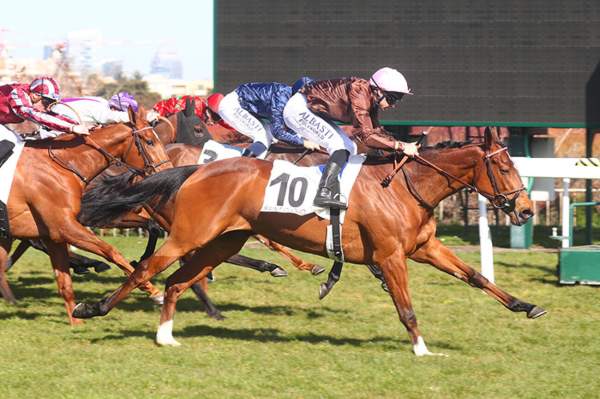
420	349
158	299
164	335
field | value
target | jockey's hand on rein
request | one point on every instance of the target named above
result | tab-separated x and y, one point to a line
410	149
309	145
80	129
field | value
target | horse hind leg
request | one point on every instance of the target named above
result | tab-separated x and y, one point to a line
202	262
5	290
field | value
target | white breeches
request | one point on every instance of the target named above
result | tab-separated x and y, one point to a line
243	121
312	127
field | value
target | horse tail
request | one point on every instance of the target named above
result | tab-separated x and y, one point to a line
114	196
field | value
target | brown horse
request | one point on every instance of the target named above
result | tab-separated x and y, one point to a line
48	185
218	207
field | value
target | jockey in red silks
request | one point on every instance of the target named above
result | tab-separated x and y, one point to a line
313	110
17	105
173	105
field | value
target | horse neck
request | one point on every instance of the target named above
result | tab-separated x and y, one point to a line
89	161
432	185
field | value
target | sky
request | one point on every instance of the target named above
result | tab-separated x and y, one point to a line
131	30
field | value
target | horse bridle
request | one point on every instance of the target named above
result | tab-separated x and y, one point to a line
149	166
499	199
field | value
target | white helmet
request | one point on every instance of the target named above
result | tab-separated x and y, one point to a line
390	80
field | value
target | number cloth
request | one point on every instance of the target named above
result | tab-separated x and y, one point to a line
291	188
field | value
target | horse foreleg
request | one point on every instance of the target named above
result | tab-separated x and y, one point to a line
442	258
199	265
79	236
199	289
395	272
296	261
5	290
59	257
258	265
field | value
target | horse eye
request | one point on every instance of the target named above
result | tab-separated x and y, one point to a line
504	171
149	142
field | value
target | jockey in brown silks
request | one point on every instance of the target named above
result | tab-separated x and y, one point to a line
312	110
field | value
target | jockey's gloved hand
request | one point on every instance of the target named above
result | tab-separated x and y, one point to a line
410	149
80	129
309	145
152	116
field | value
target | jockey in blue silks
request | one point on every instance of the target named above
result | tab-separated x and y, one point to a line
256	111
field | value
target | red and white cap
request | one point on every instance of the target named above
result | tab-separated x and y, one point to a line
390	80
46	87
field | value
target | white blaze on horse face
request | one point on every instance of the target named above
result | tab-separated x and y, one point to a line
164	335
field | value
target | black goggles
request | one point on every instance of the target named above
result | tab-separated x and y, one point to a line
393	98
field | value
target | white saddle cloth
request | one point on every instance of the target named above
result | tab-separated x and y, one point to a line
292	189
7	170
214	151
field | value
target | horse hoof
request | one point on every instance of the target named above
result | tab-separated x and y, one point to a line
167	342
85	311
217	316
323	290
316	270
385	287
101	267
536	312
80	270
278	272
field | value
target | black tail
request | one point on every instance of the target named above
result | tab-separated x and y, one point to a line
113	196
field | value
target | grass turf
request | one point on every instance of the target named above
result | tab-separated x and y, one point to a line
279	340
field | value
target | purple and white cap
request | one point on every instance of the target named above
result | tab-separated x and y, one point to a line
122	101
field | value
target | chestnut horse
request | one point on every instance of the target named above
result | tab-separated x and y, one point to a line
217	207
48	185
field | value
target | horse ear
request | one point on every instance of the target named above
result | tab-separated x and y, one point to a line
189	107
132	115
141	114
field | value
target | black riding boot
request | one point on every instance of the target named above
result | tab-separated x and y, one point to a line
6	150
4	226
254	150
328	194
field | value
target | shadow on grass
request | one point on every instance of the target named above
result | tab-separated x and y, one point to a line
273	335
21	315
550	272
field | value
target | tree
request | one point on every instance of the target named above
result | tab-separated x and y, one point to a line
134	85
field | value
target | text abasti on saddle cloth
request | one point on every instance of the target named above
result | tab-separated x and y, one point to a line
291	188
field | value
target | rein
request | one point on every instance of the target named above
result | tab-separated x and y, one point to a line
498	198
112	160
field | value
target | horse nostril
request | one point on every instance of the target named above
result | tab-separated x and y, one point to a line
526	214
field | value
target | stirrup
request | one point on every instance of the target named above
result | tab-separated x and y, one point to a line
329	201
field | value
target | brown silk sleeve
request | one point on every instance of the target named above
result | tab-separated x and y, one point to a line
360	104
379	141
